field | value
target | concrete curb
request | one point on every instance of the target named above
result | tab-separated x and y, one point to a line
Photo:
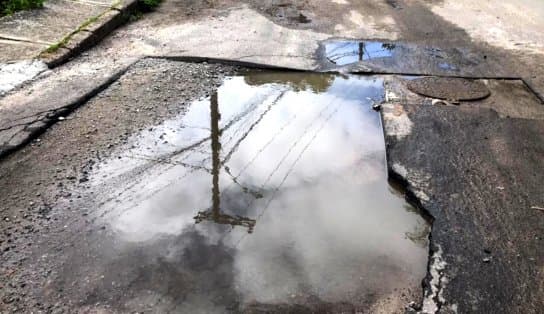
87	36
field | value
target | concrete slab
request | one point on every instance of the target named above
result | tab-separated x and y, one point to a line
18	50
25	113
52	22
104	3
13	74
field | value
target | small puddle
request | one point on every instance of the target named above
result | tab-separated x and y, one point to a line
399	57
271	194
347	52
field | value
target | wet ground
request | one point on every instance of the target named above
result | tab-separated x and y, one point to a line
240	204
407	58
68	229
236	203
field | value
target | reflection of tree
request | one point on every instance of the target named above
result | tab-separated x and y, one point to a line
388	46
357	51
215	214
297	81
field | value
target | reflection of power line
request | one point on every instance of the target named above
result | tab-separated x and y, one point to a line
293	145
250	162
243	137
170	162
241	126
291	168
250	109
245	189
338	46
299	156
238	118
215	214
168	159
151	193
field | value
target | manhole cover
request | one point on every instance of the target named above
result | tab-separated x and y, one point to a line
449	88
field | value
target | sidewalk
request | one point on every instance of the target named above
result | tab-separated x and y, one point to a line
53	34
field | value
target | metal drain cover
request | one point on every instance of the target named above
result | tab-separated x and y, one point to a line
449	88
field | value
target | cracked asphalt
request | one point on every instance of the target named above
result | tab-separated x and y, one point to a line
474	170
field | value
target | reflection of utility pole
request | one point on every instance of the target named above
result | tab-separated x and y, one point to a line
215	116
215	214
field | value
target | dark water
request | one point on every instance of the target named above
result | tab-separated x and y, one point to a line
271	194
347	52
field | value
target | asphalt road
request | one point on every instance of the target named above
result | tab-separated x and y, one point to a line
473	170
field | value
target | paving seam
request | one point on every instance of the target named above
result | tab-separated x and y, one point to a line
24	40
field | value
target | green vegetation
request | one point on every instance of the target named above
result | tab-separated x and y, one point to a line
66	39
8	7
148	5
144	6
135	16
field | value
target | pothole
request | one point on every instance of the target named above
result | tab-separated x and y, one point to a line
271	194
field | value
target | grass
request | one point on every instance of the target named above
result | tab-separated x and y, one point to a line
149	5
8	7
66	39
144	6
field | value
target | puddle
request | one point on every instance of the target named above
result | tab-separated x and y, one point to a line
347	52
401	57
270	195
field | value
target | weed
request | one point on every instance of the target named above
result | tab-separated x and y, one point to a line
66	39
8	7
136	16
149	5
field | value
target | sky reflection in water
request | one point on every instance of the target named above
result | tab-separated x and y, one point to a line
301	160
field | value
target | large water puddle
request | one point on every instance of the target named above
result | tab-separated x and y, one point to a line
271	194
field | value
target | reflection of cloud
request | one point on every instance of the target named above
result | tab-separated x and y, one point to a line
327	225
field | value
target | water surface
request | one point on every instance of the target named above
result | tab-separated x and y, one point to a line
347	52
269	195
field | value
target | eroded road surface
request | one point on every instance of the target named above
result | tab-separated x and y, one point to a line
270	194
135	183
